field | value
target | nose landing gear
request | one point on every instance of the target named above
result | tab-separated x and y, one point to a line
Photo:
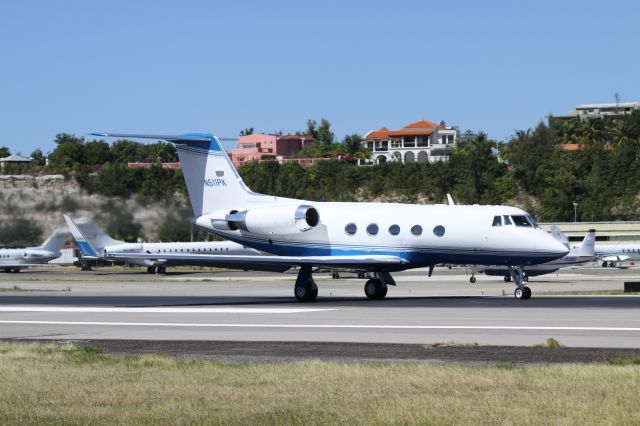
522	292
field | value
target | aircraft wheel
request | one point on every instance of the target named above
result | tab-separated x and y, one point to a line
16	270
151	270
472	280
507	278
522	293
374	289
604	264
162	270
335	275
611	264
306	293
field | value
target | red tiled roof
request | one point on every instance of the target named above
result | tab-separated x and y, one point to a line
422	124
381	133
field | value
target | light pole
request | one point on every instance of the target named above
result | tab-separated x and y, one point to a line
575	212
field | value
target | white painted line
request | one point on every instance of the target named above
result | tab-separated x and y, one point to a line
160	310
338	326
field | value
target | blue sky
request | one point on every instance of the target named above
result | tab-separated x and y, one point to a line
169	67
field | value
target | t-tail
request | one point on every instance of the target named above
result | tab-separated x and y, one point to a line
90	237
213	183
56	241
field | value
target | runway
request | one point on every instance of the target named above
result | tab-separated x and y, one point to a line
250	307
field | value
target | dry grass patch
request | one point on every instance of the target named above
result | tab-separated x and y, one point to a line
49	383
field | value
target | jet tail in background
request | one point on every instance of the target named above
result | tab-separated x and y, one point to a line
587	248
56	241
90	237
558	235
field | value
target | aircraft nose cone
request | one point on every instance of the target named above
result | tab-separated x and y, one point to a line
554	247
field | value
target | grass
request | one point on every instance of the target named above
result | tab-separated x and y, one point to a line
52	384
550	343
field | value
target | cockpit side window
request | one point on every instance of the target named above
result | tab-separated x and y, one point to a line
533	221
507	221
497	221
521	221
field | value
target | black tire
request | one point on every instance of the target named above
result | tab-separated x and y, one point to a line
519	293
151	270
507	278
306	293
472	280
604	264
527	293
16	270
162	270
375	290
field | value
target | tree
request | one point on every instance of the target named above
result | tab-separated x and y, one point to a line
160	152
125	151
4	152
37	157
97	153
324	134
246	132
69	153
352	144
311	129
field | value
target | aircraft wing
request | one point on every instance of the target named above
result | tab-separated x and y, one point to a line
615	258
362	262
23	265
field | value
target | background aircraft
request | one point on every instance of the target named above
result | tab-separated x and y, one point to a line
584	253
12	260
94	243
376	237
614	254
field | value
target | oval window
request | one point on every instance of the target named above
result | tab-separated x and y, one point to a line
416	230
372	229
439	230
394	229
351	229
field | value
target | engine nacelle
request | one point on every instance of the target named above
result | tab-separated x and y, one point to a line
275	220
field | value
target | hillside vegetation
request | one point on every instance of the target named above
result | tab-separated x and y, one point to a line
603	177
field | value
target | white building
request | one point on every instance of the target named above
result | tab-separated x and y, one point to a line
585	111
421	141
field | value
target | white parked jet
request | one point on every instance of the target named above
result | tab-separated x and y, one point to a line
371	237
94	243
613	254
580	255
12	260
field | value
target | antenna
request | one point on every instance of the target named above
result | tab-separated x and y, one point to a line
616	96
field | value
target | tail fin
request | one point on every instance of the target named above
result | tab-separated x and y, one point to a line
90	237
213	182
56	241
587	248
558	235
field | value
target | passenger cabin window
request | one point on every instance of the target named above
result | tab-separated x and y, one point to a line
497	221
351	229
416	230
372	229
521	221
507	221
394	229
439	230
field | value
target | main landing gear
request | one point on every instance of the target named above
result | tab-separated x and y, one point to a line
154	269
306	290
522	292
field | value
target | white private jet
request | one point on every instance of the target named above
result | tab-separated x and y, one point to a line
94	243
614	254
12	260
371	237
580	255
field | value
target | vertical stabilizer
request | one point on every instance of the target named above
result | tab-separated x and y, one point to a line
90	237
587	248
56	241
213	183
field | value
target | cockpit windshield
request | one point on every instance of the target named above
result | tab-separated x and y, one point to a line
533	221
521	220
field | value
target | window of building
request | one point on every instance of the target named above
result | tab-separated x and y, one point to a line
497	221
351	229
394	229
507	221
439	230
372	229
416	230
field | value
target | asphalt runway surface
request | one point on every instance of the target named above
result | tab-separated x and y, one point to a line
254	315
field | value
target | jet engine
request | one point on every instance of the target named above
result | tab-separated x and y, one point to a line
275	220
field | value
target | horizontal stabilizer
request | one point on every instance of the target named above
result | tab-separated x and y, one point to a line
190	137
